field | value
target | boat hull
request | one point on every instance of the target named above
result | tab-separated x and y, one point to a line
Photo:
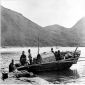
58	65
50	67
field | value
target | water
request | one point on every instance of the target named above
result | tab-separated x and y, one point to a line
74	76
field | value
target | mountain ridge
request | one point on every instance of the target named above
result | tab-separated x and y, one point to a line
17	30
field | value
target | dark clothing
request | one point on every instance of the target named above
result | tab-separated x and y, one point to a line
11	67
23	59
57	55
34	61
39	59
4	76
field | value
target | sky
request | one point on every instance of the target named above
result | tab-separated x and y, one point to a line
49	12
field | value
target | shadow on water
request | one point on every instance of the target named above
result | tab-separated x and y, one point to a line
65	76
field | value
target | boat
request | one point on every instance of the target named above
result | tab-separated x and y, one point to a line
52	64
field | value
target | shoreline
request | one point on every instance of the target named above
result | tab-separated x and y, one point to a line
24	81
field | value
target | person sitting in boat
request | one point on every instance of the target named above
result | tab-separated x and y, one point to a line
11	66
39	59
23	58
29	56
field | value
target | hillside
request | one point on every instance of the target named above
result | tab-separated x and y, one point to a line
74	36
16	30
78	32
62	35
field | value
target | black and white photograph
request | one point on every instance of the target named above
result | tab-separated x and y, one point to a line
42	42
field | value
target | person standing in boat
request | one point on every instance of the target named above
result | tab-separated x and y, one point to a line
29	56
58	55
23	58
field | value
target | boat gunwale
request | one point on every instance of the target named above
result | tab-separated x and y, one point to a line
59	61
70	60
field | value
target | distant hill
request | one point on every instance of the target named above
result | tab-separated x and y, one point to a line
62	35
78	32
16	30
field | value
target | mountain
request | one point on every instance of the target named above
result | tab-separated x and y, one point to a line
74	36
17	30
78	32
62	35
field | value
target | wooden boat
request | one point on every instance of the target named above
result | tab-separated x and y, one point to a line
50	65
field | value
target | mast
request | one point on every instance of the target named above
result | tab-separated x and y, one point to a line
38	44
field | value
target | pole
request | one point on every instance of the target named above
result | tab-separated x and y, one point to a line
38	44
75	51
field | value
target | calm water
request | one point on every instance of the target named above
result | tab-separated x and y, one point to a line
75	75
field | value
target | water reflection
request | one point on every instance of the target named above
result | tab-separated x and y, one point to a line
65	76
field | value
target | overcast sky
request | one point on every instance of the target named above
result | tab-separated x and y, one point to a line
49	12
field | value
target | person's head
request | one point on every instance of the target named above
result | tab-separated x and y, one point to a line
51	49
12	61
29	50
58	51
23	52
